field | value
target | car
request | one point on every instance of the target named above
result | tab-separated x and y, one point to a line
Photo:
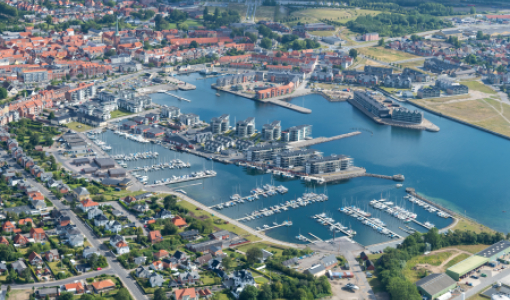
98	269
474	277
145	226
483	275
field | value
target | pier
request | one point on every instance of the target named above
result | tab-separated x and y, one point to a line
285	223
180	180
175	96
413	193
363	218
318	238
251	197
341	229
320	140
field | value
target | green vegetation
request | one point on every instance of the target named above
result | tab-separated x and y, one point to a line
386	55
457	259
120	113
478	86
77	126
218	19
413	273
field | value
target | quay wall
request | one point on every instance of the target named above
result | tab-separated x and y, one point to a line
430	202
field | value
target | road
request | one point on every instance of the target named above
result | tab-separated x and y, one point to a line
484	283
115	266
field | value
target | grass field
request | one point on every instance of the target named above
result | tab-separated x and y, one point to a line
472	248
478	86
57	268
229	227
190	22
457	259
261	280
416	63
386	55
120	113
265	13
80	127
466	224
334	14
19	294
265	246
413	274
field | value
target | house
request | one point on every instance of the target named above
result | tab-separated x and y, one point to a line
164	214
128	199
265	255
188	277
220	235
100	220
76	240
103	286
215	250
238	281
204	293
214	264
89	251
20	240
80	193
179	222
156	280
140	260
35	259
8	227
75	288
317	270
47	292
83	268
185	294
143	272
19	266
190	235
170	263
329	261
181	256
37	234
113	226
119	243
141	208
161	254
4	240
93	212
203	259
23	222
369	265
155	236
52	255
363	256
156	265
87	204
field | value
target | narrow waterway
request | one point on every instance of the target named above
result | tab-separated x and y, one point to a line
459	167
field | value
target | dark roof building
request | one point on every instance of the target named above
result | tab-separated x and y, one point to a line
435	285
105	163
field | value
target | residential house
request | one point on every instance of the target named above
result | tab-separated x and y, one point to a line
179	222
190	235
119	243
81	193
103	286
37	234
19	266
188	277
155	236
204	259
52	255
156	265
89	251
87	204
143	272
156	280
113	226
75	288
8	227
35	259
161	254
238	281
164	214
20	240
185	294
93	212
100	220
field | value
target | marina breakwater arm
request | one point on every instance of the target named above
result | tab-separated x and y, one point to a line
321	139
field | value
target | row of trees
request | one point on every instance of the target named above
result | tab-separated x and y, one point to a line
218	19
390	24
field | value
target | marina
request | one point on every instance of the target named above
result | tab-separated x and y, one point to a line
267	191
175	96
275	225
365	219
333	226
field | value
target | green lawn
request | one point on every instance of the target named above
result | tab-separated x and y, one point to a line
190	23
261	280
478	86
207	280
267	247
467	224
56	267
80	127
413	274
335	14
120	113
265	13
457	259
322	33
386	55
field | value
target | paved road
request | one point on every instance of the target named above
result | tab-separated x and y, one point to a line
73	279
115	266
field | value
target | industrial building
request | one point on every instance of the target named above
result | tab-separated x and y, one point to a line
435	286
221	124
245	128
272	131
368	101
297	133
471	264
291	159
403	114
329	164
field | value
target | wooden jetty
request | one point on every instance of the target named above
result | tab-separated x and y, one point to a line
318	238
178	97
365	218
180	180
333	225
285	223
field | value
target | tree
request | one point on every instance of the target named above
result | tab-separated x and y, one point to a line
249	293
265	293
401	289
170	229
500	69
3	93
193	44
51	116
353	53
253	255
48	19
472	10
227	263
381	42
169	202
65	296
123	294
159	294
183	26
266	43
206	11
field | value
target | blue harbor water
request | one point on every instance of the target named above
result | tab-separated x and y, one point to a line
461	168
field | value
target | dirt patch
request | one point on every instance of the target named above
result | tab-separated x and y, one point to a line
19	294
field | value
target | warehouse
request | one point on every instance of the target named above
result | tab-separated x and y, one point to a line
436	285
495	251
465	267
104	163
117	172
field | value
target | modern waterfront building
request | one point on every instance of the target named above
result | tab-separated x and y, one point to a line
264	151
189	119
235	79
273	131
297	133
245	128
429	92
367	100
403	114
291	159
170	112
221	124
329	164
